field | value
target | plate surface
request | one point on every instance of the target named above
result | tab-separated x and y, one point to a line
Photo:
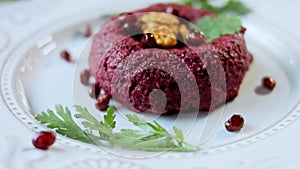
35	78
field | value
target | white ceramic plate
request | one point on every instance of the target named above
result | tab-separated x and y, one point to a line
35	78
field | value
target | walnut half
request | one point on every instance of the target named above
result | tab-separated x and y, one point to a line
164	27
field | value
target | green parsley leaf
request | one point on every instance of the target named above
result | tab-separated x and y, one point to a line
6	0
178	135
104	129
151	137
187	2
110	117
233	7
138	122
63	124
90	122
213	28
133	134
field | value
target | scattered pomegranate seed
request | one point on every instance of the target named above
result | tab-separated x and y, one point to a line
95	91
44	140
85	77
148	40
88	31
268	83
194	38
103	101
66	56
235	123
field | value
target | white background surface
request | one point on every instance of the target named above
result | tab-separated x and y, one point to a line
19	20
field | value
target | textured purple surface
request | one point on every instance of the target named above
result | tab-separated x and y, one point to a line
129	72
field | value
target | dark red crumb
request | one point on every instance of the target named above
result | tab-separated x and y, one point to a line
88	31
95	91
103	101
85	77
66	56
268	83
235	123
44	140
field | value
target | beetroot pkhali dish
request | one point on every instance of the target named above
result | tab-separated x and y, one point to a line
135	53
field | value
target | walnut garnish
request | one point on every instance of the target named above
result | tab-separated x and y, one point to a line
161	18
164	27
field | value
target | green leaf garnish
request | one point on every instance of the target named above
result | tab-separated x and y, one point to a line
63	124
6	0
110	117
233	7
215	27
150	137
179	135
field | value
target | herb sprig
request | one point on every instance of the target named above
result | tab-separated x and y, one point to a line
233	7
226	22
151	136
215	27
63	124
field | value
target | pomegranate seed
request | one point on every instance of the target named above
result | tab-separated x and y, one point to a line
66	56
268	83
88	31
194	38
148	40
235	123
85	77
95	91
103	102
44	140
172	10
